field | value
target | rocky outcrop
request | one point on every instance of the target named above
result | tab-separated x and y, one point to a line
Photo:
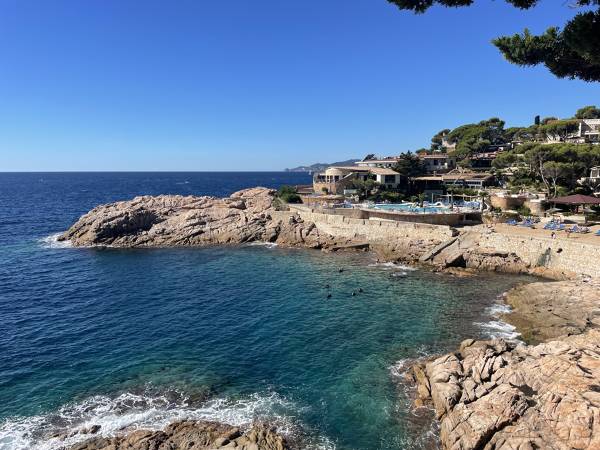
174	220
190	435
543	311
465	251
496	395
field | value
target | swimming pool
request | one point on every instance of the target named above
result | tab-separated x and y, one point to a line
410	207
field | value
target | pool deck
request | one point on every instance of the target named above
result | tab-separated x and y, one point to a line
539	232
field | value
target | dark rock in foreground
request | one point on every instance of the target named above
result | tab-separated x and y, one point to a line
190	435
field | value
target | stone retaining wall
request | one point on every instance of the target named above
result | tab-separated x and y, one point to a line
450	219
371	229
569	256
560	255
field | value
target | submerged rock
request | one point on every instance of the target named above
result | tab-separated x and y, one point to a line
190	435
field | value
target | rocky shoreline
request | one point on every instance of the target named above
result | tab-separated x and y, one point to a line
252	215
487	395
175	221
190	435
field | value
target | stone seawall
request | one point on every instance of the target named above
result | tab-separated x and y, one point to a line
372	230
562	255
449	219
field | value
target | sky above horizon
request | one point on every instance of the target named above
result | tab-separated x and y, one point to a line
261	85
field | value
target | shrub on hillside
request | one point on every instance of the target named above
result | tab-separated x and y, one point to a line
288	194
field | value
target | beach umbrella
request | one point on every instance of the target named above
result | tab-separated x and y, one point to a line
553	210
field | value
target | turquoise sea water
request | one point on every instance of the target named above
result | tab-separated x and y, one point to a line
138	338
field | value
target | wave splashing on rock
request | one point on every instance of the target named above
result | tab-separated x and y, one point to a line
104	417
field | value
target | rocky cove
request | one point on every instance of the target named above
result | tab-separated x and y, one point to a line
488	394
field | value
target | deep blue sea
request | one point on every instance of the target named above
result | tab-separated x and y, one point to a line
138	338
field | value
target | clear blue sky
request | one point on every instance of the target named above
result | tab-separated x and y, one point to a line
256	85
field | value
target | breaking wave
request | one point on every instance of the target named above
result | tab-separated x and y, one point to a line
497	328
129	411
53	242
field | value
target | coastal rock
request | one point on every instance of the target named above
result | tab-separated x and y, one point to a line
465	251
174	220
190	435
543	311
496	395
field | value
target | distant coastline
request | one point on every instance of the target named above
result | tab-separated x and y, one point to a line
318	167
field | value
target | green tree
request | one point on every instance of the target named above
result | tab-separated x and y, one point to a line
505	160
410	165
588	112
559	128
573	52
545	120
288	194
553	170
365	187
436	140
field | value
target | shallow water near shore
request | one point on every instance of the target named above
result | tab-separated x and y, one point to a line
139	338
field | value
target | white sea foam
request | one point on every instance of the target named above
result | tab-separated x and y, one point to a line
498	309
53	242
393	266
131	411
400	274
262	244
497	329
399	368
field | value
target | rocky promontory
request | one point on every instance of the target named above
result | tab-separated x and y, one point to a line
252	215
175	220
190	435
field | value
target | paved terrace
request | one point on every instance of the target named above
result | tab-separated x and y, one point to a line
539	232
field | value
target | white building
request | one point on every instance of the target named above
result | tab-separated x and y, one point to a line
593	180
589	130
337	179
384	163
438	162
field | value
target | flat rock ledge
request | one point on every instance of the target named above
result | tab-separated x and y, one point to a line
190	435
543	311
